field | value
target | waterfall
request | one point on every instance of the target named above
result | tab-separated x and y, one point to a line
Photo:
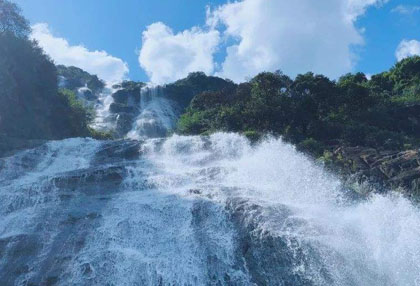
151	115
195	210
157	114
104	121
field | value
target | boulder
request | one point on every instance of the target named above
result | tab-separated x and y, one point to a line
86	94
128	94
121	108
124	123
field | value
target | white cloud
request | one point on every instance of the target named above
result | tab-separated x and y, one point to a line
355	8
260	35
166	56
107	67
406	9
407	48
294	36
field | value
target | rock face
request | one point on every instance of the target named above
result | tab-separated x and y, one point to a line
126	105
398	170
74	78
85	93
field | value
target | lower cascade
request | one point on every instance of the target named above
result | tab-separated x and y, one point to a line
182	210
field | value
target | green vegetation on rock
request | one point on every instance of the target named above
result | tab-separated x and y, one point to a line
316	113
75	78
354	125
31	105
183	90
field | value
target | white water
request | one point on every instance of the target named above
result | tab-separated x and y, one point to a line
191	210
169	221
370	243
157	116
104	121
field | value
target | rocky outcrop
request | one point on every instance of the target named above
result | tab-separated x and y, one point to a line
126	105
128	92
398	170
74	78
85	93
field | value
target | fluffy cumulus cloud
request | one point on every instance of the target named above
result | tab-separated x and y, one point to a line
167	56
260	35
107	67
294	36
407	49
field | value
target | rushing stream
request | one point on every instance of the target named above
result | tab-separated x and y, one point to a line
190	210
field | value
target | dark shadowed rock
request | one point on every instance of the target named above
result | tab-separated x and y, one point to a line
101	178
86	94
122	108
269	258
124	123
397	170
121	149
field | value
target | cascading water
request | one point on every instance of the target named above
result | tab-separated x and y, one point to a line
104	121
157	115
194	210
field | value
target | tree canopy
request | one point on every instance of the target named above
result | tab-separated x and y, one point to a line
314	111
12	21
31	104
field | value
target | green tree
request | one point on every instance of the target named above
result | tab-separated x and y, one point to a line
11	20
31	107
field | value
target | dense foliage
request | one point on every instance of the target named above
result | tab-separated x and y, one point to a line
31	106
74	78
11	20
183	90
315	112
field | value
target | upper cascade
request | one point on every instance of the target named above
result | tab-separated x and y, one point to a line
157	115
137	110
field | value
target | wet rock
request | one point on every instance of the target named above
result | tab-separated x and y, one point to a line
124	123
195	191
87	269
101	178
86	94
127	96
271	259
390	169
51	281
15	252
122	108
121	149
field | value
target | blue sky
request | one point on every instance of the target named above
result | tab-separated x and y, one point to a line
117	26
384	30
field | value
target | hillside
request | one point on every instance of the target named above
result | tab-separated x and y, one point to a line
323	117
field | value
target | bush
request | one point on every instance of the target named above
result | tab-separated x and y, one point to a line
79	116
311	146
192	123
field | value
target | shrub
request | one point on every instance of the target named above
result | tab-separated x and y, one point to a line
311	146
